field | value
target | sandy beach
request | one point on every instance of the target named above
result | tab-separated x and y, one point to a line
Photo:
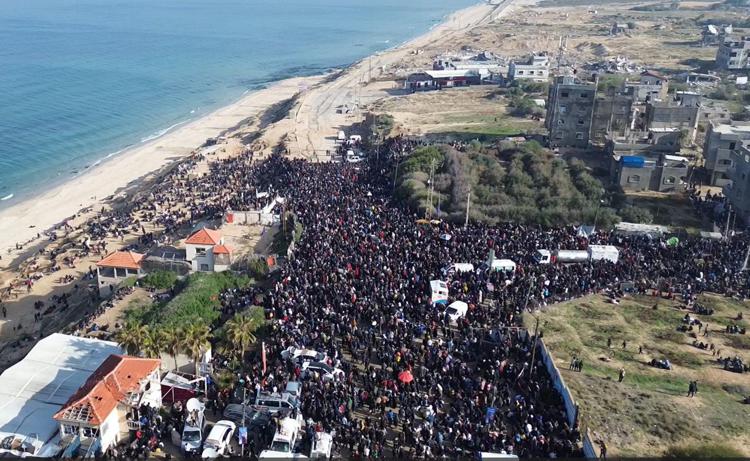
311	129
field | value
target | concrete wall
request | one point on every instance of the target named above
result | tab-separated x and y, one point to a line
571	408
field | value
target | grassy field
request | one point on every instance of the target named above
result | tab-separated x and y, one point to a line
649	413
669	210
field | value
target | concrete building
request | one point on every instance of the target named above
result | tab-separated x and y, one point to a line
115	268
733	54
660	173
32	391
105	409
659	116
613	114
651	86
438	79
206	252
721	141
570	108
737	190
536	69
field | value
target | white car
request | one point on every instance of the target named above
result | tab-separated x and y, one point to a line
217	443
303	355
325	371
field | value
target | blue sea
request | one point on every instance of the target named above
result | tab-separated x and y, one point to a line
82	80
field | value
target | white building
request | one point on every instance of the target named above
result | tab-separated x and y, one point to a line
535	69
206	252
115	268
104	409
32	391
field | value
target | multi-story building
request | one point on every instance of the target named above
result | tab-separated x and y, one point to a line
659	172
721	140
738	189
536	69
570	109
733	54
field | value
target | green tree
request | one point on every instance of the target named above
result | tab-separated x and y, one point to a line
154	342
197	338
240	332
174	339
132	337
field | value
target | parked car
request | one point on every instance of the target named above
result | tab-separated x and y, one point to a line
301	356
217	443
275	402
195	424
325	371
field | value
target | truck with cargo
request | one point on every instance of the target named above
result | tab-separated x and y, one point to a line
591	254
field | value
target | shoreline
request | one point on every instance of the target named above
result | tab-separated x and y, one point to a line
21	222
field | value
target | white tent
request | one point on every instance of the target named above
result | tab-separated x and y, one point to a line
34	389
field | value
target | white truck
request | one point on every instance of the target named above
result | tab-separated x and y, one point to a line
592	253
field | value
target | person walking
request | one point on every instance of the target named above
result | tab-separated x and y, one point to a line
622	375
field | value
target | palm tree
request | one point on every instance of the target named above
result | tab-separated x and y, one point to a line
132	337
241	332
154	343
196	342
174	339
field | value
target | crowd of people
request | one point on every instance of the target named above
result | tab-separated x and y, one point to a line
357	288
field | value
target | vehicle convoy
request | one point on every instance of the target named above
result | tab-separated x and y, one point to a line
591	254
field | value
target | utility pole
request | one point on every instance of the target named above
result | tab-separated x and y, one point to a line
428	211
244	399
726	228
747	257
536	339
395	177
468	206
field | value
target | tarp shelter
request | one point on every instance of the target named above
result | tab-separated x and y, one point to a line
711	235
34	389
179	387
505	265
586	231
654	230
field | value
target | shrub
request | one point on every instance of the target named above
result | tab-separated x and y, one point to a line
636	215
258	268
161	280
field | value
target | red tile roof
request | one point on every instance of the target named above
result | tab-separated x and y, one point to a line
222	250
126	259
205	236
108	385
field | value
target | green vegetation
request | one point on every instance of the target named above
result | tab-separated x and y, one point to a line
654	415
161	280
290	231
708	450
380	128
521	183
197	302
258	268
635	214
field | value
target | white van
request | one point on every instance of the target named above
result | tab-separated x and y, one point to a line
457	310
195	423
284	441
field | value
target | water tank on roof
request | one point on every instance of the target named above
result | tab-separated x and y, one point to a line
632	161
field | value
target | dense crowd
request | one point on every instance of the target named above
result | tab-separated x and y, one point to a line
358	289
